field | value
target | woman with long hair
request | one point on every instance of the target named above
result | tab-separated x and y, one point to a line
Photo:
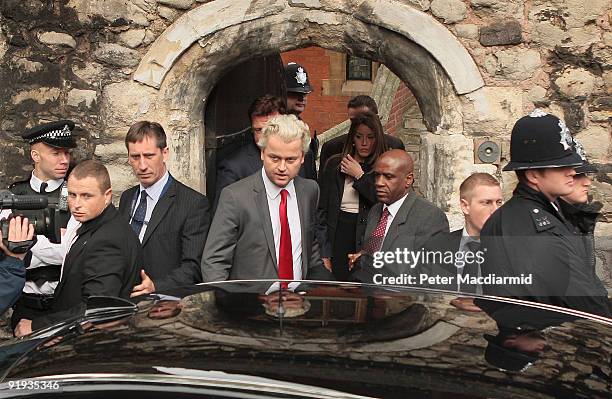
348	192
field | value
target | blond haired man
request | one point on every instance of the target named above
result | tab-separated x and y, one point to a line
264	225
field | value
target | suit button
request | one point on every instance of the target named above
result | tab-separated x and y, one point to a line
363	220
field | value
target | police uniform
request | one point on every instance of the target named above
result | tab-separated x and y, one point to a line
44	260
296	81
529	235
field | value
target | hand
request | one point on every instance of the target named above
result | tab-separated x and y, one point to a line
352	259
19	230
24	327
327	263
146	287
466	304
350	167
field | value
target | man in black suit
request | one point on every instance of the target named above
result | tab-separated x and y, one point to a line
170	219
247	159
356	105
104	257
480	195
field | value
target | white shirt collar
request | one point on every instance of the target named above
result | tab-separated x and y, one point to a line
394	207
273	190
52	185
155	190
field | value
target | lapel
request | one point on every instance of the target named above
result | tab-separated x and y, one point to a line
160	210
399	219
124	208
373	218
339	181
300	194
262	208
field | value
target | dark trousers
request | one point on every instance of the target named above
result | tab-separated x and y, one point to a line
344	244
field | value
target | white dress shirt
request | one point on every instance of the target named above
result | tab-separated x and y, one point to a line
393	209
153	193
46	253
293	215
52	185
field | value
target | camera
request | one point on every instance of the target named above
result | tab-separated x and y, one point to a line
45	214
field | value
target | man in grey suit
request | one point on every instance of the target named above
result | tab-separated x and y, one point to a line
264	225
401	222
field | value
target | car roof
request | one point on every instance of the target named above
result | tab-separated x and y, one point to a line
370	339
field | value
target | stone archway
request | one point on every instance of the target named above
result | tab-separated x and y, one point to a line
185	62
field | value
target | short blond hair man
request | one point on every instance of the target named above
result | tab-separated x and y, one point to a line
260	230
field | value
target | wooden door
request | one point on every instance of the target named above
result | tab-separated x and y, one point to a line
227	124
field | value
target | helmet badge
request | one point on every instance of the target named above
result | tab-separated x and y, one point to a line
300	76
566	136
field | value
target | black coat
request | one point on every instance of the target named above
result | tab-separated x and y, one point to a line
528	236
105	260
335	146
583	217
175	236
331	183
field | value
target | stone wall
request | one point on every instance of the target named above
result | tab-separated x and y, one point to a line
474	67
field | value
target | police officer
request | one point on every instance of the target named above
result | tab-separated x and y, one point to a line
529	235
298	87
50	145
575	206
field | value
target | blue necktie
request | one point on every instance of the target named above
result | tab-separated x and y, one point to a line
139	216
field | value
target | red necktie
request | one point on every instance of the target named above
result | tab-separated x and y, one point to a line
285	257
378	235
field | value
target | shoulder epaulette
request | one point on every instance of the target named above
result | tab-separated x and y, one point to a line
541	220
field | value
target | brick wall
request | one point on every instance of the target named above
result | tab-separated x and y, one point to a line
322	111
402	100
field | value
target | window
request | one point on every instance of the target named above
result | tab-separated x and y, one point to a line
358	68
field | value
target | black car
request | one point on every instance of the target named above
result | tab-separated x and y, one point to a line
327	340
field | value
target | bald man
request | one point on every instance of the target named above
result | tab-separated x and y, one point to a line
400	223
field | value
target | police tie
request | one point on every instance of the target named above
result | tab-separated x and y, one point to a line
285	256
43	188
471	268
139	215
378	235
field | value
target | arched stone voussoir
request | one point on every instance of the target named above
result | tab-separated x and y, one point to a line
416	26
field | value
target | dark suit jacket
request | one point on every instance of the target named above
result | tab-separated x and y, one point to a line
241	242
335	145
415	224
104	260
174	239
332	190
246	160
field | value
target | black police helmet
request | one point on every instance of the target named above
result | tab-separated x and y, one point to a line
296	79
56	134
540	140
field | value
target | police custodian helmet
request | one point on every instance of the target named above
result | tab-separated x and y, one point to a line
296	79
56	134
541	140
